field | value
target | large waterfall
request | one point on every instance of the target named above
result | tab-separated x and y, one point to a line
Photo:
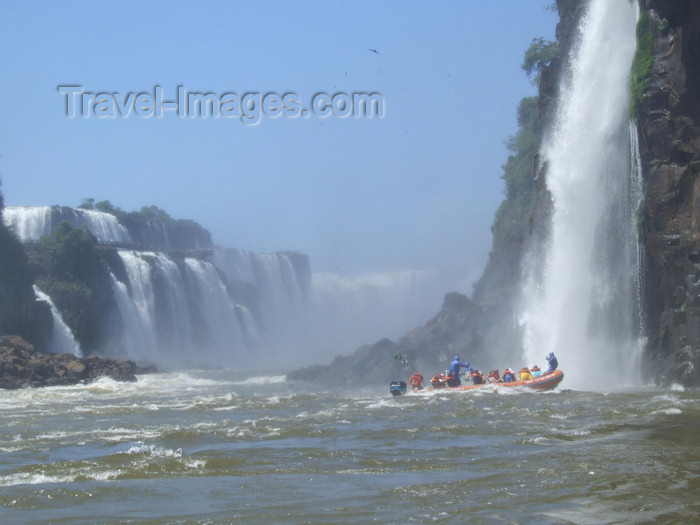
224	305
31	223
582	296
178	313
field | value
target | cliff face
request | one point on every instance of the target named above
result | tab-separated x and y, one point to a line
20	313
669	129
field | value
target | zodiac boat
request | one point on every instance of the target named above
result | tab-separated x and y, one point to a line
543	382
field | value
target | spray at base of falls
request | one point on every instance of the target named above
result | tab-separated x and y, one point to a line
582	300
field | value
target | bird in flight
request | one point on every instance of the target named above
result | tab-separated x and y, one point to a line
374	51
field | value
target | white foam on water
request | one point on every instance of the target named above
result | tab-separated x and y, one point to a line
154	451
262	380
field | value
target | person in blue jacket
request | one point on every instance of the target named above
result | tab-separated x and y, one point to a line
454	369
552	362
508	375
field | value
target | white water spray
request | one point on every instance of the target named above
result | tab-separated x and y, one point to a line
583	302
62	339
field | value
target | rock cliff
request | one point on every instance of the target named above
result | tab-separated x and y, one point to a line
455	330
22	366
668	118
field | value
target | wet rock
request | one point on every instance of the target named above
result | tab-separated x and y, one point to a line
22	366
669	132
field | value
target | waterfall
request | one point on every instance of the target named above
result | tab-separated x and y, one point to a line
276	284
62	339
582	302
218	312
31	223
178	312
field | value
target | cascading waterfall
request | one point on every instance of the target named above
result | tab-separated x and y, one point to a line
177	313
240	305
62	339
31	223
583	301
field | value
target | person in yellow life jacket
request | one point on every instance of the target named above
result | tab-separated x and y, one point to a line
535	370
525	374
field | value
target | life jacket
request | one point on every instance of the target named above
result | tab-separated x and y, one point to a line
439	381
477	377
525	374
416	381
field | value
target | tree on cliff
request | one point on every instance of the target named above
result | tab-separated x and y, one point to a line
538	56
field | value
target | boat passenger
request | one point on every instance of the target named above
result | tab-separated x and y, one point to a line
535	371
494	376
508	375
453	380
525	374
477	377
439	381
416	381
454	369
552	362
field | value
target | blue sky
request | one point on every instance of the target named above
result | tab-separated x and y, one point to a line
414	190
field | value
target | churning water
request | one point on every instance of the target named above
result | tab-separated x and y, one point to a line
582	298
205	447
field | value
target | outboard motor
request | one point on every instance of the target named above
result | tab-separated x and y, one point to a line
397	388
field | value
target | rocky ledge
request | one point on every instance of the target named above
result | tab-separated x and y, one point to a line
21	366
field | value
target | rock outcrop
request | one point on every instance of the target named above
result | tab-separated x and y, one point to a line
669	128
22	366
457	329
20	313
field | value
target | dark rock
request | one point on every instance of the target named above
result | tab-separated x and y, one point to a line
22	366
669	130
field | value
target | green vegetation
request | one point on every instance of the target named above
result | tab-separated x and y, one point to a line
147	213
515	215
538	56
63	263
516	212
68	251
642	63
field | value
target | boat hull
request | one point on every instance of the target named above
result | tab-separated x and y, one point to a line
543	382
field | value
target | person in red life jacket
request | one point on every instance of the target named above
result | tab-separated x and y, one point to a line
477	377
439	381
508	375
494	376
535	371
416	381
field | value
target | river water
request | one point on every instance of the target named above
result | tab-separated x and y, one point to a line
221	447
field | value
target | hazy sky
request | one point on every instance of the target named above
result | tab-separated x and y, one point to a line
415	189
